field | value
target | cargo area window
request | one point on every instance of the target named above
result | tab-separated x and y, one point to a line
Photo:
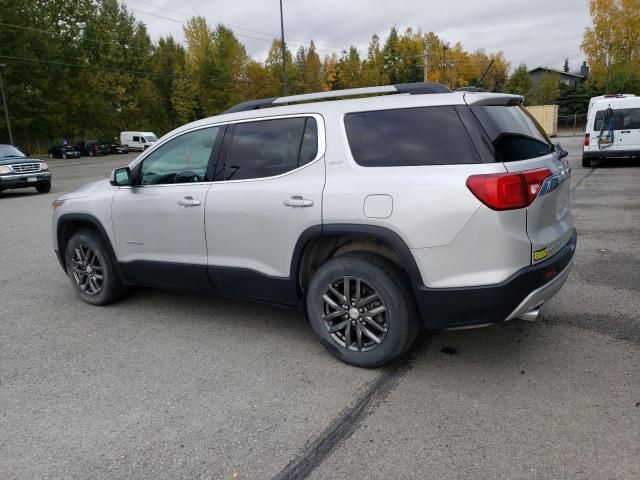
514	133
409	137
623	119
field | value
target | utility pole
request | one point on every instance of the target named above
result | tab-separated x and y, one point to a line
284	54
4	103
444	64
606	89
426	58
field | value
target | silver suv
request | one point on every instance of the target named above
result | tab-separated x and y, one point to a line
401	207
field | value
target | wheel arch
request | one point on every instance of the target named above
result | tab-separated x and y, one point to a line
320	243
70	223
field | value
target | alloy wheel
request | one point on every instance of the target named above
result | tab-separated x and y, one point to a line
354	314
87	270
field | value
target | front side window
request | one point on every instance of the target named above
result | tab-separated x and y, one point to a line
409	137
181	160
267	148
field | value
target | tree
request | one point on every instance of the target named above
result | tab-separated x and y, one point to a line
348	70
565	68
546	91
519	81
612	45
391	56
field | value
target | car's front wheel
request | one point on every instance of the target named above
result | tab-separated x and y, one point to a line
360	307
92	269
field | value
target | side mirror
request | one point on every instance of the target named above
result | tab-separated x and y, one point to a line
120	177
561	151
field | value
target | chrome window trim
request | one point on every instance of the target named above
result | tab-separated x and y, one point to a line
320	154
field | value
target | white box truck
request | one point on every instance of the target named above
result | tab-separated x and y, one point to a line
613	128
138	140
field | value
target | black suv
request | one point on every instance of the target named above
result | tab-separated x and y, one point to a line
19	171
93	147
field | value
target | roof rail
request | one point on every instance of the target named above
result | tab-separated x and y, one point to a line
401	88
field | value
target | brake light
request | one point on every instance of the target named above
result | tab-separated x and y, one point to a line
586	139
508	191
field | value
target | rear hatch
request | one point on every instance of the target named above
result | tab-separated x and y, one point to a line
522	146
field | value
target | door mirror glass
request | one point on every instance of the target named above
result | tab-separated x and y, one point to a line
120	177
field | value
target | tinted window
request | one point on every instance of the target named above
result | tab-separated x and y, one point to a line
181	160
409	137
514	133
136	139
270	147
623	119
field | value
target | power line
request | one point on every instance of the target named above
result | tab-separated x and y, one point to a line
271	35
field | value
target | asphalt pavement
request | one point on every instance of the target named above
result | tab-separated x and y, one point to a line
183	385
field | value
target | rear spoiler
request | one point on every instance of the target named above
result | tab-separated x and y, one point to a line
481	98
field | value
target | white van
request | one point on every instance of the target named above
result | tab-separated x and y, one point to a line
138	140
613	128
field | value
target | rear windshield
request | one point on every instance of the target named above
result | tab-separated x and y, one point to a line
409	137
623	119
514	133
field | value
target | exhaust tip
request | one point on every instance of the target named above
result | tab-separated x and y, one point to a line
531	315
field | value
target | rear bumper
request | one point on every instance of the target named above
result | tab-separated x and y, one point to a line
525	290
22	180
606	153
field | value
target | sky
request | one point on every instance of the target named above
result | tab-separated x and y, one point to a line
538	32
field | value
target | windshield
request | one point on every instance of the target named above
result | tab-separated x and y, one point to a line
8	151
150	138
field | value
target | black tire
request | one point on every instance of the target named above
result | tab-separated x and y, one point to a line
390	283
64	155
43	187
111	289
586	162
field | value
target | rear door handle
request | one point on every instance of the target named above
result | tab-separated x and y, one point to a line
188	202
298	201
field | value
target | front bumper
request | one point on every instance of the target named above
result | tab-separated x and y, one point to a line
524	291
24	180
606	153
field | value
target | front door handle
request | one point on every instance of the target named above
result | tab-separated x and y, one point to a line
188	202
298	201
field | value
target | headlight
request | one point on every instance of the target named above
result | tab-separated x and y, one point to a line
44	166
4	169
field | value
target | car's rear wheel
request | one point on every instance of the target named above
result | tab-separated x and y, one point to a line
360	307
92	269
43	187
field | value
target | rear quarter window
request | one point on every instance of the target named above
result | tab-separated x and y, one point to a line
409	137
514	133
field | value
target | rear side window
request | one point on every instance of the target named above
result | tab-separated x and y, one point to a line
409	137
267	148
623	119
136	139
514	133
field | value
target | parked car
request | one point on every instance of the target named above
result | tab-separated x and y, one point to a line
378	215
613	128
118	148
138	140
19	171
64	151
92	147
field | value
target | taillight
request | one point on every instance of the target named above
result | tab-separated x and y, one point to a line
508	191
586	139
